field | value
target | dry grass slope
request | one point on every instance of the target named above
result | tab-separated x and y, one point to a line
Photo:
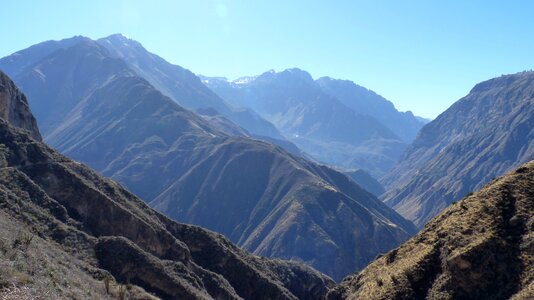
481	247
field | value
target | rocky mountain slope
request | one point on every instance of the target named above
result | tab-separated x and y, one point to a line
315	121
363	101
119	124
481	247
65	230
483	135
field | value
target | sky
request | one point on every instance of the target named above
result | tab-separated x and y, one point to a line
421	55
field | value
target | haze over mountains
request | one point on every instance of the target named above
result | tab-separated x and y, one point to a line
96	108
484	135
325	118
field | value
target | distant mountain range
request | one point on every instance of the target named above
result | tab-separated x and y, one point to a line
482	136
478	248
65	230
97	109
335	121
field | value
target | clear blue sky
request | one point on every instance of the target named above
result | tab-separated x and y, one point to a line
422	55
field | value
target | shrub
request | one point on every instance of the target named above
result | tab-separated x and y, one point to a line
122	292
107	282
22	241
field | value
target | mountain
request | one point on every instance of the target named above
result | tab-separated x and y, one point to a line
182	85
174	81
366	102
366	181
66	230
119	124
482	136
481	247
315	121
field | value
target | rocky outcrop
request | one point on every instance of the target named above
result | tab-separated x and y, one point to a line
14	107
479	248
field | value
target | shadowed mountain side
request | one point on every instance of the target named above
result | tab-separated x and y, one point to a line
141	138
478	248
483	135
69	211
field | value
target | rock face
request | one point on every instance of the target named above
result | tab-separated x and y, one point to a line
366	102
14	107
316	121
98	228
483	135
263	198
479	248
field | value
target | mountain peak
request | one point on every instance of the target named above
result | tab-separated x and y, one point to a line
298	73
287	75
119	39
117	36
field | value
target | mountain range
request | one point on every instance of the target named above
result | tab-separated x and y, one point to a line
98	110
484	135
66	231
337	122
